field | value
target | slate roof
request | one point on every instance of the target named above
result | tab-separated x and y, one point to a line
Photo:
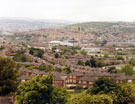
75	74
87	78
24	77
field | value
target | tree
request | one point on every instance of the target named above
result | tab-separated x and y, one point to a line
73	52
79	88
132	61
104	85
31	52
104	42
24	59
93	62
80	62
83	52
99	64
126	93
67	70
56	55
112	70
87	63
120	58
76	99
41	67
60	96
84	98
128	69
106	56
8	76
40	91
40	53
96	99
58	69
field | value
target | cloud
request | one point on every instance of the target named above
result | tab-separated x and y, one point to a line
79	10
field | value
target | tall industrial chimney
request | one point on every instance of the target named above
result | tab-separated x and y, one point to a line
79	29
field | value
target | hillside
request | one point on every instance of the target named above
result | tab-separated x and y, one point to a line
26	24
128	27
90	32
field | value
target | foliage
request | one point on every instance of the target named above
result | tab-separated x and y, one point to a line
42	67
8	76
127	69
120	58
56	55
58	69
99	64
75	98
96	99
112	70
60	95
40	91
126	93
121	94
104	85
106	56
93	62
1	48
45	68
20	57
78	88
87	63
83	52
132	61
31	52
35	51
73	52
80	62
84	98
40	53
67	70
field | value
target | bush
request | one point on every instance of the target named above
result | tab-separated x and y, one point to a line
104	85
8	76
126	93
127	69
79	88
96	99
40	91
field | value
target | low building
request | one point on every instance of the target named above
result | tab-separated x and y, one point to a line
92	50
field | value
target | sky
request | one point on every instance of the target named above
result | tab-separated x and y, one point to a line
71	10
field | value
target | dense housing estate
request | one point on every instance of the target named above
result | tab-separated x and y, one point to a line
75	78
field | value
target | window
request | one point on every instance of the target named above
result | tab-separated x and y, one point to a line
74	81
23	80
117	81
90	82
84	86
74	76
79	81
129	80
84	82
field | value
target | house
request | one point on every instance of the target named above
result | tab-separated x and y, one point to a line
72	79
24	78
59	78
86	81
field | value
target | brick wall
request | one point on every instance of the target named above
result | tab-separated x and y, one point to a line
6	100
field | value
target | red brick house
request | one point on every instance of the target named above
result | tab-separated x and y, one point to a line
86	81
